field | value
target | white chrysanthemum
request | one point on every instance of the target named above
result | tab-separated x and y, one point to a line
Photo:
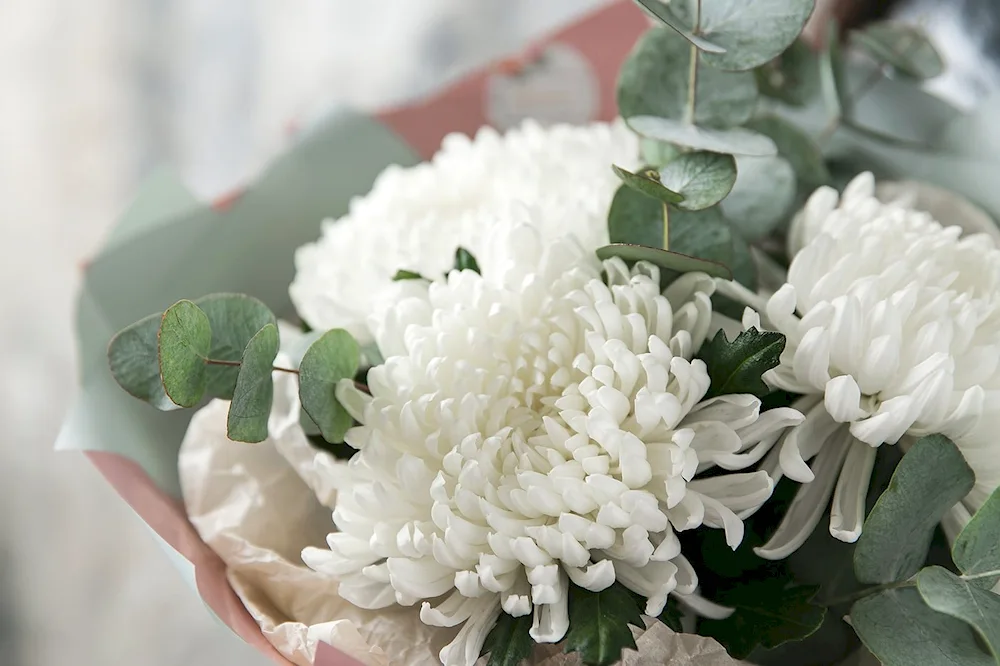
534	426
893	326
415	218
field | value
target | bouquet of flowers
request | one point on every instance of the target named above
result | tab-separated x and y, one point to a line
714	382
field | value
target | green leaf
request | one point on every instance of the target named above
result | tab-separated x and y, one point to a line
254	392
702	179
904	47
737	366
796	146
598	624
662	12
977	548
736	141
752	31
403	274
768	613
509	643
185	339
134	359
654	82
648	183
764	196
792	77
658	153
946	593
899	629
333	357
833	74
464	261
635	219
673	261
931	478
235	319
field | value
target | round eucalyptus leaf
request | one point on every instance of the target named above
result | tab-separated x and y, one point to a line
648	183
736	141
663	13
707	234
657	153
801	151
185	340
763	196
635	219
672	261
702	178
655	81
792	77
254	392
752	31
903	47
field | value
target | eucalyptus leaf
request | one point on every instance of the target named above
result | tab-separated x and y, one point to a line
648	183
737	366
930	479
662	12
792	77
752	31
635	219
703	234
254	392
946	593
763	197
655	79
903	47
657	153
672	261
333	357
702	179
509	643
185	339
599	624
736	141
796	146
901	630
833	74
977	548
235	319
133	356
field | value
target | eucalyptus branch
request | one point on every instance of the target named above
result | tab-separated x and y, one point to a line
236	364
693	73
985	574
666	227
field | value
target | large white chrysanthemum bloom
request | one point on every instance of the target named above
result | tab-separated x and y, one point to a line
893	325
415	218
533	426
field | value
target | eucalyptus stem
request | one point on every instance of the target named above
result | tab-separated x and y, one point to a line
236	364
985	574
867	592
693	73
666	227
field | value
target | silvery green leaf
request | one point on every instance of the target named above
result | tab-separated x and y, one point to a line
833	75
704	234
946	593
185	339
235	319
662	12
792	77
254	391
899	629
635	219
752	31
133	356
977	549
904	47
648	183
655	79
334	356
736	141
763	197
657	153
796	146
672	261
703	179
930	479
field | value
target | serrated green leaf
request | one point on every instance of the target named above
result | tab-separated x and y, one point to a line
702	179
635	219
235	319
768	613
333	357
931	478
254	391
185	339
133	356
654	81
796	146
508	643
752	31
833	75
662	12
792	77
763	197
899	628
977	547
904	47
736	141
464	261
402	275
672	261
737	366
598	624
946	593
647	183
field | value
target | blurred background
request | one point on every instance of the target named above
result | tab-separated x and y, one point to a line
94	96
